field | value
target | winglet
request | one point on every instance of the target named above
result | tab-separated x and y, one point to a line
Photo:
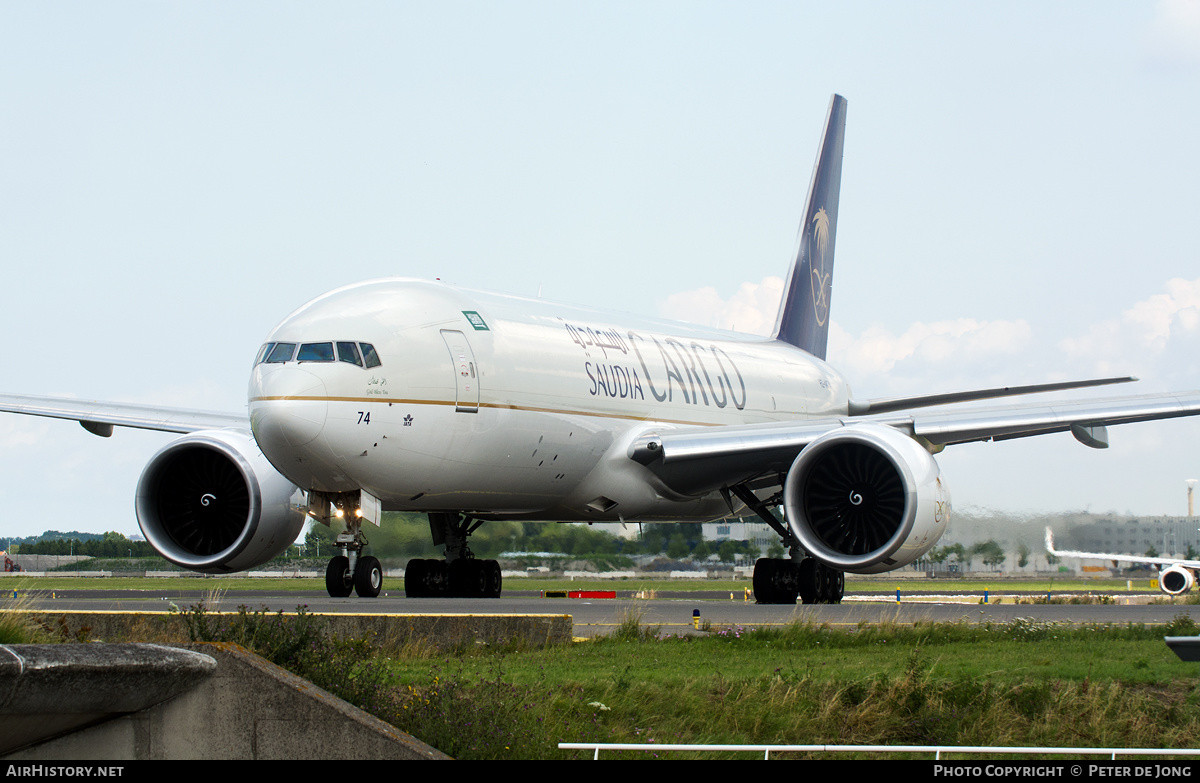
803	318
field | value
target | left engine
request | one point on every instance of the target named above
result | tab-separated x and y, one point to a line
865	499
211	502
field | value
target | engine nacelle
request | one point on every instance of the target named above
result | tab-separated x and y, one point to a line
1176	580
211	502
865	499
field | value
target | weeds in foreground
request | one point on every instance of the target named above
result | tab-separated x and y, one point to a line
17	624
1074	600
1191	599
640	686
630	628
300	644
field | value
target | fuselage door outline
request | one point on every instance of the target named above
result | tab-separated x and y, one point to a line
466	375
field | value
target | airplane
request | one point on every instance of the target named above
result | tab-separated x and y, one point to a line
408	395
1178	578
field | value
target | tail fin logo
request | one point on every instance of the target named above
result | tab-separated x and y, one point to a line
821	279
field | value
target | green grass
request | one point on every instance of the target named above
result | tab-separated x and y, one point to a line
1012	684
1019	683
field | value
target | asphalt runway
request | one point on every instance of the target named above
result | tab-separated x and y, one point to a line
672	612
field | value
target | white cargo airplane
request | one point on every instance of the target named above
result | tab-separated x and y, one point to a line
1178	576
407	395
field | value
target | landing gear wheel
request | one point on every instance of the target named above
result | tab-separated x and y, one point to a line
338	582
460	577
470	578
495	580
368	577
835	585
476	579
414	579
810	581
763	568
774	581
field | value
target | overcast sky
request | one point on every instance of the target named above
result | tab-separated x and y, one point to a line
1019	200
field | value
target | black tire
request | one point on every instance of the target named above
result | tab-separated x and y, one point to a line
414	579
810	581
495	579
763	580
460	578
368	577
479	578
338	582
774	581
838	586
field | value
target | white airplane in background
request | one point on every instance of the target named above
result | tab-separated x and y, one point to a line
1177	578
407	395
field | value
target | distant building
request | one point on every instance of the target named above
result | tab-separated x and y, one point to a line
1169	536
755	532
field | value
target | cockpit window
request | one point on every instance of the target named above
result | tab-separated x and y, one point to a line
358	354
282	352
348	352
370	358
262	352
315	352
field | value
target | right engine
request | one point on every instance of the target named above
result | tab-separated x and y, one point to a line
211	502
1176	580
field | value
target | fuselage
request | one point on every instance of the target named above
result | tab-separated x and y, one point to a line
502	406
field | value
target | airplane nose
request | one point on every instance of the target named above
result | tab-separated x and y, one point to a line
288	406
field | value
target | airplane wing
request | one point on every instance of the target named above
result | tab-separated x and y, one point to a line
1162	561
99	418
701	459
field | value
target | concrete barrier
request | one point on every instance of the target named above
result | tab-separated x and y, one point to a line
197	701
47	690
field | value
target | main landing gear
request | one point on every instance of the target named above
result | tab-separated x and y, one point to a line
781	581
460	575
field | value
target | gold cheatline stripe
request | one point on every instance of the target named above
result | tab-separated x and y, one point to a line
496	405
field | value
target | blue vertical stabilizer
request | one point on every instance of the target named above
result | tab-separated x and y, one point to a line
803	317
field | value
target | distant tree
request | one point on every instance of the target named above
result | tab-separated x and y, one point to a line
1022	554
776	550
993	555
958	552
677	548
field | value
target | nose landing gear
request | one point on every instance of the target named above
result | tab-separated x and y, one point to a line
350	571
